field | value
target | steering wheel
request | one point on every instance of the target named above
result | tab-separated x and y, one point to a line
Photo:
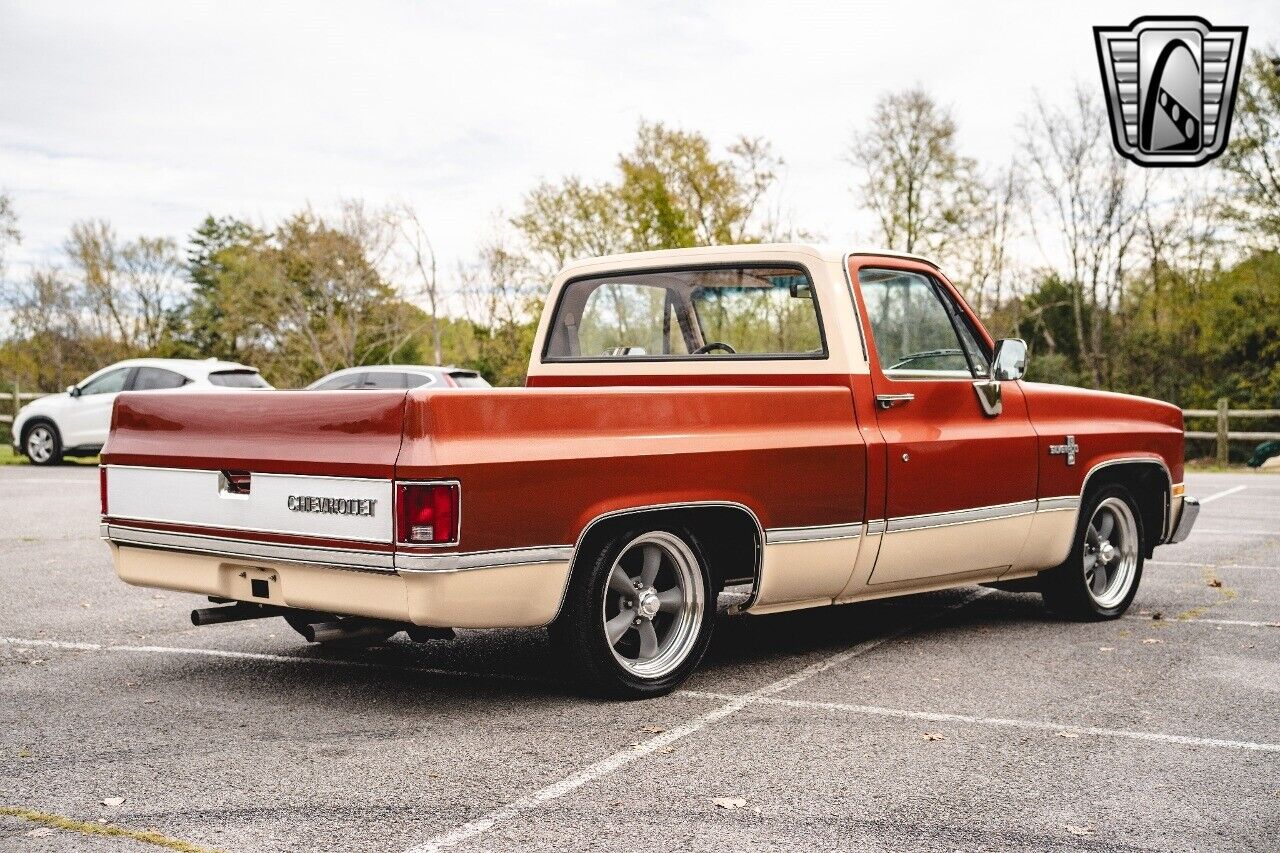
713	346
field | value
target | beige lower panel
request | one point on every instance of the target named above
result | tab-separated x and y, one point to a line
1048	542
804	573
372	594
500	597
956	549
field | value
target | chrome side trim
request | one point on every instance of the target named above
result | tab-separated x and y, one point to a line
1055	504
964	516
875	528
332	558
431	563
818	533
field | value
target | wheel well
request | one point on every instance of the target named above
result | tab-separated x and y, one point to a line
35	422
728	535
1148	482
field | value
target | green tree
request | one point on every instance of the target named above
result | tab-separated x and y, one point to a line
1252	160
914	181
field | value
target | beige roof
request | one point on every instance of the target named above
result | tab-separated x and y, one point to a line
746	250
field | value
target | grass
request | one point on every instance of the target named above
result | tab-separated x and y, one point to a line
8	457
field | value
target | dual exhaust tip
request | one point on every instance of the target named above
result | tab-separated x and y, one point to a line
326	629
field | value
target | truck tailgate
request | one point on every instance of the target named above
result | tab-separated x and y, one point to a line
319	433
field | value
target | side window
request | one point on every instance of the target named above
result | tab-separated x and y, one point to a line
155	379
918	331
346	382
107	383
382	379
417	380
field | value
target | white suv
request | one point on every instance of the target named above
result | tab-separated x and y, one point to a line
76	423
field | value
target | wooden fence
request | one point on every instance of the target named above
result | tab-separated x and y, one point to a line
15	398
1223	434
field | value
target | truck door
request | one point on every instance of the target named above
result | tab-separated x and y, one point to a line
961	478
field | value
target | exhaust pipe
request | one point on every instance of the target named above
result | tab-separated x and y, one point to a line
344	629
234	613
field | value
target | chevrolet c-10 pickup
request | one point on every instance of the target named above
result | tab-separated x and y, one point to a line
775	426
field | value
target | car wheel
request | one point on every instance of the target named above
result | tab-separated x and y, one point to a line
636	619
1100	576
42	444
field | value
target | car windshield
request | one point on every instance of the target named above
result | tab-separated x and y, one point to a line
238	379
722	312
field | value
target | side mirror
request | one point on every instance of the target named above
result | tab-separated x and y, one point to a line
73	390
801	290
1010	361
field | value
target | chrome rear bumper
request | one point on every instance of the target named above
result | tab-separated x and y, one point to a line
1186	520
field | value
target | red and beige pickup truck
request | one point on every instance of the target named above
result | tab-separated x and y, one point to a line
779	426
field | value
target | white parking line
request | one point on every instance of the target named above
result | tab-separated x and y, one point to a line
621	759
1198	531
1222	494
1198	619
1035	725
1212	565
259	656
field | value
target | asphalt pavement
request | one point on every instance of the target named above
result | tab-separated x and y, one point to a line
958	721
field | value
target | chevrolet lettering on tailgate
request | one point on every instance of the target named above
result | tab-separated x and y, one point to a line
332	506
764	428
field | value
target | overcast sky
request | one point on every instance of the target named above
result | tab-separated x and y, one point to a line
153	114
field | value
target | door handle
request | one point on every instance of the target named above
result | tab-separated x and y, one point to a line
888	401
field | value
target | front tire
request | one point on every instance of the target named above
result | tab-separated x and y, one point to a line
637	617
1101	574
43	444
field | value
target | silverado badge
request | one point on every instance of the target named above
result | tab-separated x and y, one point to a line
1068	450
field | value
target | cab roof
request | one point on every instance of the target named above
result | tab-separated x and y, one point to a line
833	254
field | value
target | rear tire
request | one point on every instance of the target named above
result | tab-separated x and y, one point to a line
1101	574
638	615
42	443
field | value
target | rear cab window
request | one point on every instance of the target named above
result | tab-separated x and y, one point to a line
733	312
238	379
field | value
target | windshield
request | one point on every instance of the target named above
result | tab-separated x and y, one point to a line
726	312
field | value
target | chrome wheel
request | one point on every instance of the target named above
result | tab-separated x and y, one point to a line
653	605
1110	553
40	444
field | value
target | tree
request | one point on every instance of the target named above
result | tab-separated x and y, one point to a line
1093	201
671	192
1252	160
920	190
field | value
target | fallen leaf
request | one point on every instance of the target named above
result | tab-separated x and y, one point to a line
934	736
1157	616
1079	830
41	832
653	730
667	749
1106	648
1215	582
1150	640
1067	734
729	803
113	801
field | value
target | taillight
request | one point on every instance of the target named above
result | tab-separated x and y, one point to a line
102	488
427	513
